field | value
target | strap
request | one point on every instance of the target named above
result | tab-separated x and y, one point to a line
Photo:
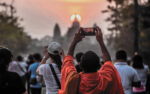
55	76
78	84
20	67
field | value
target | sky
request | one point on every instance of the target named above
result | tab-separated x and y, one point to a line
40	16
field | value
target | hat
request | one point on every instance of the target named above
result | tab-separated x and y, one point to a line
54	48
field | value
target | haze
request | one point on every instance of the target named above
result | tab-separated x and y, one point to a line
40	16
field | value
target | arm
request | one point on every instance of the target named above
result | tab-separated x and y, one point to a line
46	56
72	48
77	39
42	62
68	68
99	37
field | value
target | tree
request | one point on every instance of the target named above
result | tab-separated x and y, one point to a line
128	22
144	41
121	27
12	35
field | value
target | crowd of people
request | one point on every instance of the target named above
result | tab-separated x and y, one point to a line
57	73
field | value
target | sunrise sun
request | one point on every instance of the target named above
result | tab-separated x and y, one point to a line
75	17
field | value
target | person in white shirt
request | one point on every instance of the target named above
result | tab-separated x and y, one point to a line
51	71
20	67
129	76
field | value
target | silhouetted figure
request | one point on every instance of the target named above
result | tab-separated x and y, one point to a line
10	82
142	71
35	87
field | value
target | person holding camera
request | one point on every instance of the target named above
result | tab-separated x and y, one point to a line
50	67
90	80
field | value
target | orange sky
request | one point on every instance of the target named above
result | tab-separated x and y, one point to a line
40	16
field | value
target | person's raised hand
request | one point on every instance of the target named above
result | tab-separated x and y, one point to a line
78	37
46	55
99	35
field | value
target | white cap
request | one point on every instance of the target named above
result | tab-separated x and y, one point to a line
54	48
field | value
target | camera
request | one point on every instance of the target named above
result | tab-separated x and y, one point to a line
88	31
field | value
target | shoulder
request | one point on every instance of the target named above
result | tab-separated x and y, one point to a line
54	65
13	63
132	70
30	67
24	63
68	57
129	68
108	64
43	66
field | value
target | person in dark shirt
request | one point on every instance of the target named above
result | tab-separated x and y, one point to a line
78	59
10	82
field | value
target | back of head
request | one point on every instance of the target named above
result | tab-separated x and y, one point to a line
137	62
55	51
5	58
78	56
19	58
90	62
30	59
121	55
37	57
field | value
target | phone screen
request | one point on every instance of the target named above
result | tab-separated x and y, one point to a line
88	31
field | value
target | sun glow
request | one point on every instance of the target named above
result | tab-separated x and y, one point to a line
75	17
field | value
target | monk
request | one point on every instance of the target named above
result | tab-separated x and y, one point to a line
90	80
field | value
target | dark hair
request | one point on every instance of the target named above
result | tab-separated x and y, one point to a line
19	58
5	58
90	62
78	56
121	55
57	60
37	57
30	59
137	62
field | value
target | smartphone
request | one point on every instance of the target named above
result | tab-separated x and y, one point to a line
88	31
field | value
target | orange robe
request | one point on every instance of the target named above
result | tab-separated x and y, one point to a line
105	81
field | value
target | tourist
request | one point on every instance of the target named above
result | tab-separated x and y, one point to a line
51	71
19	66
10	82
35	87
90	80
142	71
129	76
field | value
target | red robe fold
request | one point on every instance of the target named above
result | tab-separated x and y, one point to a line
105	81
